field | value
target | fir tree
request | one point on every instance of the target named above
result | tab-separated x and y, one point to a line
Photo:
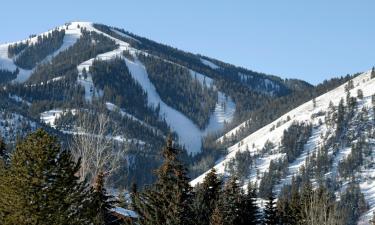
270	212
168	201
230	202
102	203
41	185
217	217
249	214
373	73
207	195
2	150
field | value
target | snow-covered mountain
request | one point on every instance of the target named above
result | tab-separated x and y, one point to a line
189	133
338	139
148	89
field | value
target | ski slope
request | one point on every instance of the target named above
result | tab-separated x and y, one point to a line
189	134
304	113
72	34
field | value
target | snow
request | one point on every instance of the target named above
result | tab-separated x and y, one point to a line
124	35
302	113
189	134
125	212
365	175
223	113
12	125
209	64
202	79
113	107
19	99
72	34
50	117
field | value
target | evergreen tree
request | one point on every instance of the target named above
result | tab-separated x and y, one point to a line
2	150
207	195
217	217
270	212
229	203
102	203
41	186
169	200
373	73
249	211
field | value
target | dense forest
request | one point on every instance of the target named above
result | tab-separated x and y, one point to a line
57	195
29	54
177	87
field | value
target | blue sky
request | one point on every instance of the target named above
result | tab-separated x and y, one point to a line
310	40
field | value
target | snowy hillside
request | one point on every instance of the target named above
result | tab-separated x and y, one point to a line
72	33
314	113
189	134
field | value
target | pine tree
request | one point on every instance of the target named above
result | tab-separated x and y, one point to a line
249	211
270	212
373	73
216	217
207	195
102	203
41	185
229	203
3	152
169	200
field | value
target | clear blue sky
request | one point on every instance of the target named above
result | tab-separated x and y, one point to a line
310	40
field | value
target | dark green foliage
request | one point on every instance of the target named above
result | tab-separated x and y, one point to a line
169	200
249	210
272	108
15	49
102	202
41	186
206	197
89	45
355	159
277	170
360	94
3	150
179	89
270	211
120	88
372	73
229	204
240	165
352	204
36	52
294	139
6	76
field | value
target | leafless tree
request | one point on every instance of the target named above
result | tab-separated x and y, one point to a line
95	145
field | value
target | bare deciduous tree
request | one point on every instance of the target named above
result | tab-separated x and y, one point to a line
94	144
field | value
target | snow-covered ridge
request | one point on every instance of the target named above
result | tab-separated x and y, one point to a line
209	64
302	113
314	115
72	34
189	134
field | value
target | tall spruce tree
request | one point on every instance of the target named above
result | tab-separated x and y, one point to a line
169	200
206	197
41	185
229	203
270	212
249	211
3	150
102	202
373	73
